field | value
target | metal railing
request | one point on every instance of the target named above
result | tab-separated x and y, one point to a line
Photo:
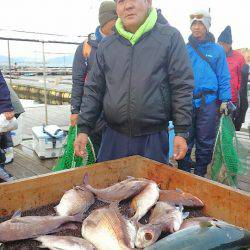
42	42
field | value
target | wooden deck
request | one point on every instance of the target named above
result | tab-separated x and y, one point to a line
26	163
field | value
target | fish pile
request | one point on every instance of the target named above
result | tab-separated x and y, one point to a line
107	228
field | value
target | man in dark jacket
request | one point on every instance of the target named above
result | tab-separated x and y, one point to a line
243	97
83	61
141	77
6	109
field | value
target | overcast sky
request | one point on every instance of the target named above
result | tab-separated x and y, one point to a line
79	17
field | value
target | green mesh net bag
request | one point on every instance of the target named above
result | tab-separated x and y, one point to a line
229	157
68	159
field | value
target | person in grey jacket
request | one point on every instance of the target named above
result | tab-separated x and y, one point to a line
83	61
141	79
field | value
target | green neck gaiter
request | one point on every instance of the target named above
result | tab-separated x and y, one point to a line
144	28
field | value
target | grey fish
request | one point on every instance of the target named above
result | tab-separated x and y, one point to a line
178	197
64	243
19	228
146	199
119	191
205	238
107	229
74	201
164	217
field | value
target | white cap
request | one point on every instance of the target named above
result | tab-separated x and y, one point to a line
202	16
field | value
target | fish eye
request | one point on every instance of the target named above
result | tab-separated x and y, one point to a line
148	236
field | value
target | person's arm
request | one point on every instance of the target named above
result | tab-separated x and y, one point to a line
5	102
242	62
181	80
92	102
79	71
223	76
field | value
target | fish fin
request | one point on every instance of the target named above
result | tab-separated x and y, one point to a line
125	224
55	208
70	226
79	217
137	224
86	179
38	238
67	226
115	205
180	207
179	190
130	177
135	218
17	214
217	225
105	201
80	188
130	212
185	215
205	224
130	233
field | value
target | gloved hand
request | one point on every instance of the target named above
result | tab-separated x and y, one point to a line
224	108
9	115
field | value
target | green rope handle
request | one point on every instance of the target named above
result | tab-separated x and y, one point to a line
85	159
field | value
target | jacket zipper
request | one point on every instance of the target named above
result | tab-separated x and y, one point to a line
129	94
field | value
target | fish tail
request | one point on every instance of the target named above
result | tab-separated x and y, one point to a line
85	184
179	191
86	179
40	239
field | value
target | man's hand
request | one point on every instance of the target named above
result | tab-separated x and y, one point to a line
80	145
73	119
223	108
9	115
180	148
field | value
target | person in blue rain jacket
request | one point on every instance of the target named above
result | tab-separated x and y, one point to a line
211	93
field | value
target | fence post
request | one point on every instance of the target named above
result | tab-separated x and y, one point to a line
10	74
45	86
